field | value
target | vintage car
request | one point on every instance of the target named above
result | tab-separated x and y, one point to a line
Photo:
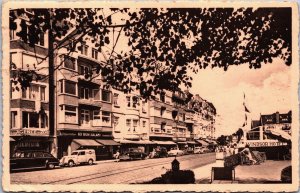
175	152
198	150
133	153
33	159
84	156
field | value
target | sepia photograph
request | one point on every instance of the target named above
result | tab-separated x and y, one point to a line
143	97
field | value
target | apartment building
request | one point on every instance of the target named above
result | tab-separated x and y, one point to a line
29	108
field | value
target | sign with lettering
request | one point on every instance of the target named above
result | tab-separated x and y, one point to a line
83	134
265	144
29	131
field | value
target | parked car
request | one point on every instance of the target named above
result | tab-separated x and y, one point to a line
160	152
133	153
33	159
206	150
84	156
197	150
175	152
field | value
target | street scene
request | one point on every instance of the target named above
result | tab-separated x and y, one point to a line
151	96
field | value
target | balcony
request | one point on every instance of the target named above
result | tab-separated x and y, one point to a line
90	102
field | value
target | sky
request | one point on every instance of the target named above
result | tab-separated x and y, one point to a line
266	89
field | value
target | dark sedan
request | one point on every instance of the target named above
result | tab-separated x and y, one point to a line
133	153
33	159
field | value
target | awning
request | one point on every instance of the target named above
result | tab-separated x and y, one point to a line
140	142
108	142
181	142
281	135
164	142
132	137
191	142
202	142
86	142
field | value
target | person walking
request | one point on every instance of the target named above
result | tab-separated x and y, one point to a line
117	156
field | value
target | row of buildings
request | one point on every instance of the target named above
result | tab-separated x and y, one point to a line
87	114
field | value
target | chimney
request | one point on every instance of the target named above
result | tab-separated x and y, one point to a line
277	117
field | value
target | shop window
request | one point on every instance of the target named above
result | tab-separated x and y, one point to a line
116	99
14	119
85	117
84	93
106	117
105	95
70	114
94	54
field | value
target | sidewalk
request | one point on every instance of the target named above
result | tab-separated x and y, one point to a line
267	172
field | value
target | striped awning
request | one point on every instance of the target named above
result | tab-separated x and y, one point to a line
202	142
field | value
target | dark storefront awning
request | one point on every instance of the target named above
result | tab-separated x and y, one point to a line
108	142
164	142
191	142
202	142
140	142
86	142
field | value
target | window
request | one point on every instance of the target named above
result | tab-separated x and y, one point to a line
116	98
162	97
43	91
41	39
84	117
128	124
96	118
163	127
96	94
13	119
70	114
69	62
116	120
144	124
84	93
134	101
128	101
135	124
105	116
44	121
33	92
84	49
30	120
70	87
12	34
143	106
94	54
84	70
81	153
162	111
183	117
105	96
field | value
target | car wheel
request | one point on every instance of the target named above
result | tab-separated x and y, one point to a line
71	163
50	166
90	162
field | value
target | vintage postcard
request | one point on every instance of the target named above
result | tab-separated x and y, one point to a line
153	96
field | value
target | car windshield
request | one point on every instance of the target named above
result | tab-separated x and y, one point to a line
74	153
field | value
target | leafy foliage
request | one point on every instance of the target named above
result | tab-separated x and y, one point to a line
165	45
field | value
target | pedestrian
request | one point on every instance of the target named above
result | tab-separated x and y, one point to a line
117	156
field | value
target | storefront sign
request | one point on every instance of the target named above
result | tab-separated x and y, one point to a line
83	134
30	132
265	144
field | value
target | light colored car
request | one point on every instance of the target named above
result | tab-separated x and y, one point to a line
84	156
175	152
198	150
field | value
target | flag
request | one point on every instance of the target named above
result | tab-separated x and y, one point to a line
246	117
244	124
246	109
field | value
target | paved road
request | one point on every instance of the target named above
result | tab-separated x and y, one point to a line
124	172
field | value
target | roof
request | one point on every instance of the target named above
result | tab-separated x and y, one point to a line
276	118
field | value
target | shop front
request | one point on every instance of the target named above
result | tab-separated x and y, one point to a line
101	142
144	145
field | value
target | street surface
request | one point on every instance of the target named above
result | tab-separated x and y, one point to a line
124	172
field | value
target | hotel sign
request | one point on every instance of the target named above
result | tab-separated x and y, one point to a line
266	144
29	132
